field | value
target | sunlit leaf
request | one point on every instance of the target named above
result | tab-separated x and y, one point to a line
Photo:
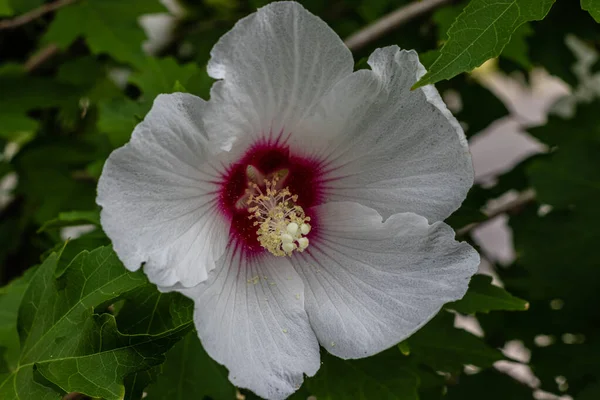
5	8
593	6
480	33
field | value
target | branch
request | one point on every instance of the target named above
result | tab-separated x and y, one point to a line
74	396
37	59
526	197
390	22
34	14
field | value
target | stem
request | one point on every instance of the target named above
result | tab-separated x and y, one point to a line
391	21
40	57
34	14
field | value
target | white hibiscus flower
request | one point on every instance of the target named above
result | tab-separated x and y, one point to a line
300	206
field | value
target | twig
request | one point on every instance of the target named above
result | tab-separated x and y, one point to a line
34	14
40	57
526	197
390	22
74	396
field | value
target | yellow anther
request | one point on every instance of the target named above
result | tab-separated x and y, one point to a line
281	222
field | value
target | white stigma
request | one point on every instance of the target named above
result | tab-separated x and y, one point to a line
305	228
288	247
281	223
287	238
292	228
303	243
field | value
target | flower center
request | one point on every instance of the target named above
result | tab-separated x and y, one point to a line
282	186
281	223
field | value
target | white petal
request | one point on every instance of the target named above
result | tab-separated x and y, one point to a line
250	317
388	147
370	284
158	196
275	66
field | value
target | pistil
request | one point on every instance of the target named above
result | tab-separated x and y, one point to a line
282	224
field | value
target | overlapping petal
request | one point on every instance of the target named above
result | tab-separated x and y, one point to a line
250	317
158	196
370	284
388	147
274	66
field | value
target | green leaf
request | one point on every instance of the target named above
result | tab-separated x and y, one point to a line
58	330
548	43
569	176
558	267
54	308
111	27
22	94
118	117
593	6
147	310
48	179
472	95
445	348
161	75
10	299
388	375
577	362
90	77
178	87
480	33
5	9
489	385
72	218
86	242
106	357
517	50
444	17
190	373
135	384
22	6
483	296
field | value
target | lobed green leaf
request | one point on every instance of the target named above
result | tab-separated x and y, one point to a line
111	27
65	345
593	7
481	32
190	373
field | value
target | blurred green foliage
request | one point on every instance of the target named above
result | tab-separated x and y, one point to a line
75	81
